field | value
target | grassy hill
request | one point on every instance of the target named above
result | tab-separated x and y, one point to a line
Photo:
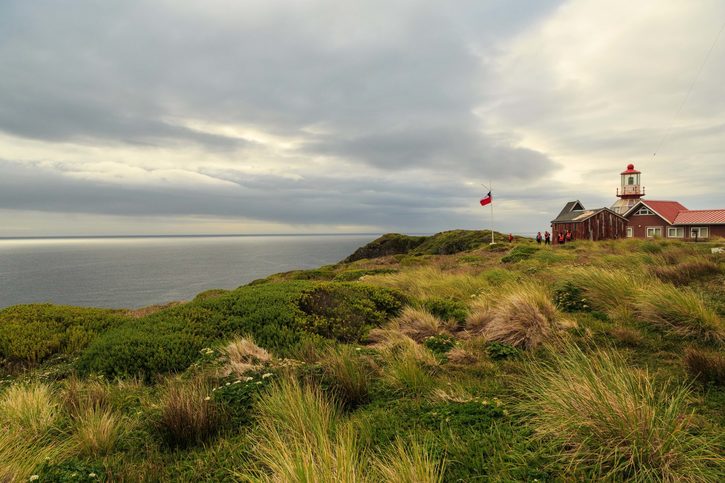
418	359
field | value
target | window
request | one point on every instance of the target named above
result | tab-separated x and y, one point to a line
631	180
630	232
698	232
676	232
653	231
644	211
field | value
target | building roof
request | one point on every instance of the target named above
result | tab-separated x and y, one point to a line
571	206
630	170
667	210
574	212
700	217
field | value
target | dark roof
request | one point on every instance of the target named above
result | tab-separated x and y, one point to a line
570	206
570	215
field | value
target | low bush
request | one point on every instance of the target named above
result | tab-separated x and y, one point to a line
569	298
614	422
187	414
70	470
447	309
707	366
498	351
345	311
234	398
680	312
439	344
32	333
170	340
518	253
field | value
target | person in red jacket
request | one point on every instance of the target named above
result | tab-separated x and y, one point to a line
511	238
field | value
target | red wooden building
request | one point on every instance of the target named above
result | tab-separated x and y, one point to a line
598	224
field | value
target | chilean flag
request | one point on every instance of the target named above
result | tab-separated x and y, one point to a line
486	199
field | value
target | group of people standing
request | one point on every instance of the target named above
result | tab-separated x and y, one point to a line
561	238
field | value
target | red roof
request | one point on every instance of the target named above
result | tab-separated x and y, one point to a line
630	170
700	217
666	209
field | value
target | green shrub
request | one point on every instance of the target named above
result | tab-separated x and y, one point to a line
170	340
447	309
345	311
353	275
70	471
439	344
32	333
498	351
454	241
518	253
235	397
569	298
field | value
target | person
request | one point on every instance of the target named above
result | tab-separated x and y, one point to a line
511	238
568	236
547	238
538	238
560	238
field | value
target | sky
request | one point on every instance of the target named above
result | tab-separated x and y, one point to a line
329	116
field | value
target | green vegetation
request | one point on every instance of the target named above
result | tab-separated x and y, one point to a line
429	359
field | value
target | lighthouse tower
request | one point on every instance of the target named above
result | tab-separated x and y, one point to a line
630	190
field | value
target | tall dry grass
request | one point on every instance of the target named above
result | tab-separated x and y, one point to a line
300	438
524	317
29	417
419	324
410	462
188	415
680	311
243	355
97	430
350	374
611	291
427	282
614	421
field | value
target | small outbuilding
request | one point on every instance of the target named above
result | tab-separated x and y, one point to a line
597	224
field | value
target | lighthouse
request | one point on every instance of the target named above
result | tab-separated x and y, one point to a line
629	191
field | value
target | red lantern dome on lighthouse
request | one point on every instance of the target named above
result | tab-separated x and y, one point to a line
630	190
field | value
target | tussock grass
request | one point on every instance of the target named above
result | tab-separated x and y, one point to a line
525	317
410	462
684	273
188	415
614	421
28	416
351	374
78	395
97	430
243	355
432	282
300	438
681	312
611	291
30	410
705	365
419	324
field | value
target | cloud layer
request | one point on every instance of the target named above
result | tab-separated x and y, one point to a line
327	116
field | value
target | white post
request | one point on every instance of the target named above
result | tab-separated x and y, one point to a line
490	189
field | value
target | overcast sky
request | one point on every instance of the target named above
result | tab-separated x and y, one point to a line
159	117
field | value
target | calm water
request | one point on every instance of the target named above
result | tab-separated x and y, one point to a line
136	272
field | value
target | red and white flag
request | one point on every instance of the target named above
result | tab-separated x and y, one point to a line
486	199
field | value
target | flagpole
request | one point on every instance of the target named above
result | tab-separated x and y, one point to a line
490	187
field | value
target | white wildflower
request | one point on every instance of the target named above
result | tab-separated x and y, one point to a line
265	376
34	477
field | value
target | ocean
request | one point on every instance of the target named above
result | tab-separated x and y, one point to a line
133	272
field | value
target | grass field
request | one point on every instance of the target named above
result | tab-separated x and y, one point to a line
447	360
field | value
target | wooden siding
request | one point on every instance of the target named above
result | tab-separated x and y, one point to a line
602	226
